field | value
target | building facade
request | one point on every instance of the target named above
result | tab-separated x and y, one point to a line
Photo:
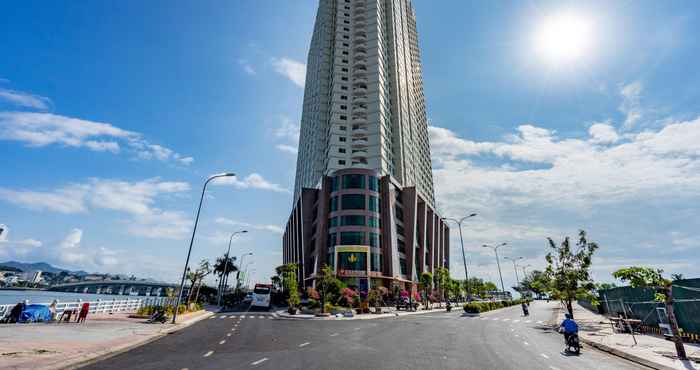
363	200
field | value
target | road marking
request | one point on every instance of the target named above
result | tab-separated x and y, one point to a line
528	321
304	344
208	353
260	361
356	329
553	368
222	317
516	320
228	335
334	335
213	317
261	317
270	317
495	319
506	319
545	356
223	341
242	316
233	329
526	343
539	321
517	336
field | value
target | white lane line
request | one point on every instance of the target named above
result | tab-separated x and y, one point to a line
539	321
528	321
334	335
223	341
526	343
261	317
516	320
495	319
506	319
517	336
208	353
304	344
553	368
545	356
356	329
228	335
260	361
222	317
242	316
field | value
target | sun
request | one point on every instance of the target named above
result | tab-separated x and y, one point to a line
564	38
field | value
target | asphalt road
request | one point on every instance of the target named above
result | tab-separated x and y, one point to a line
255	340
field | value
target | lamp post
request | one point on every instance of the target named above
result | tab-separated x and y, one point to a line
464	256
247	279
224	281
194	230
245	270
524	272
515	267
240	268
498	262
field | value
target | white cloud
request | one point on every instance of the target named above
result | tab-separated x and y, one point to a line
135	199
291	69
252	181
287	148
72	240
25	100
264	227
4	238
247	67
630	106
41	129
603	133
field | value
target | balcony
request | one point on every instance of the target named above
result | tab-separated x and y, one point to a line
359	99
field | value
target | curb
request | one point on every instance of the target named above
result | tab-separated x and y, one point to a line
286	316
625	355
125	348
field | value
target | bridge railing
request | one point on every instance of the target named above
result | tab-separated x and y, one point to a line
100	305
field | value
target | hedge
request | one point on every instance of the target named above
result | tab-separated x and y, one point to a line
477	307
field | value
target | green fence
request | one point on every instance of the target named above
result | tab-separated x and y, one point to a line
639	303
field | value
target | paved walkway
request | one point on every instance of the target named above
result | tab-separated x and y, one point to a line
58	346
651	350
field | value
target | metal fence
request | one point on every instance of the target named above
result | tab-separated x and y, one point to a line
101	305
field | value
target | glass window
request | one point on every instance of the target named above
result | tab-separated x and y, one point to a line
334	204
399	230
335	184
353	220
402	264
373	203
374	240
402	246
331	240
356	261
373	222
334	222
353	181
352	238
373	183
353	201
376	264
399	213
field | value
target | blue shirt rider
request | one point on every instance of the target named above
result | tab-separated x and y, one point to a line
570	327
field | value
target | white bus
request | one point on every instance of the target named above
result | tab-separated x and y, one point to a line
261	295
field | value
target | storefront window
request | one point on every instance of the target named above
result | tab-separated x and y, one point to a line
353	220
353	181
352	238
353	201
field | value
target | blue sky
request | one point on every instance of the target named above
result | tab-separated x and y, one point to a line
112	114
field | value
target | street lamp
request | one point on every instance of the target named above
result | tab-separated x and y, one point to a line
525	273
194	230
515	267
224	279
498	263
464	256
240	267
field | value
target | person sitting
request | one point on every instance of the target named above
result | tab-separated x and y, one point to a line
570	327
16	312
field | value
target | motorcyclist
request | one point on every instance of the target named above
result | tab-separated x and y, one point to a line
569	326
525	310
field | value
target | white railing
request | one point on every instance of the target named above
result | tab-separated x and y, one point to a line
98	306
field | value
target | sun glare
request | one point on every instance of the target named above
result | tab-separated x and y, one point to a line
564	38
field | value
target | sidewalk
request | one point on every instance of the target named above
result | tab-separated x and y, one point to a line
61	346
650	350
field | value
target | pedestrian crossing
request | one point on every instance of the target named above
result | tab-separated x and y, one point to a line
514	321
241	316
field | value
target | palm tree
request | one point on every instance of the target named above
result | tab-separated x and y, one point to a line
223	267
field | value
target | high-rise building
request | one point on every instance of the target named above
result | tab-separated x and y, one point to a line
363	198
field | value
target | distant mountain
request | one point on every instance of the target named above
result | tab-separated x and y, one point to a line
39	266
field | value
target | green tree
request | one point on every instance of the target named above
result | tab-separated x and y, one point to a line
454	289
645	277
535	281
441	278
327	284
569	270
426	284
224	264
290	284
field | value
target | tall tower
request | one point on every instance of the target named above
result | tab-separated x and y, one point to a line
363	101
363	197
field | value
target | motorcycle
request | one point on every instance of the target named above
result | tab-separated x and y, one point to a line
573	345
